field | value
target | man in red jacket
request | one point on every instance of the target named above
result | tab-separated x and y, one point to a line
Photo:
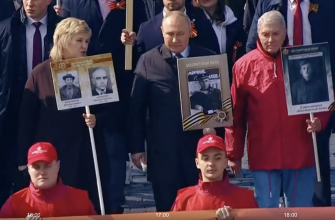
213	190
280	147
46	196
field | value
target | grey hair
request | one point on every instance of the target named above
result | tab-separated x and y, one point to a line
177	14
271	17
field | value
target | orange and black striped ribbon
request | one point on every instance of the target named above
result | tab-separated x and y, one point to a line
117	5
194	32
236	46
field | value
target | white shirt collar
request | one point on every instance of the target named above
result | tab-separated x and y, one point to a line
30	21
164	13
293	1
185	52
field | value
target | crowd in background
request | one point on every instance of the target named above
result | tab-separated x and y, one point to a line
148	112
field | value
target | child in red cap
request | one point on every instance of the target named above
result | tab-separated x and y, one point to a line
213	192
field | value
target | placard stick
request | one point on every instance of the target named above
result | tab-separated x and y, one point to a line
58	2
316	154
96	165
129	27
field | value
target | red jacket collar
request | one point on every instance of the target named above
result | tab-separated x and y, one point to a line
48	195
214	188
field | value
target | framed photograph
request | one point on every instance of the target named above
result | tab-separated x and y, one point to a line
205	92
84	81
308	78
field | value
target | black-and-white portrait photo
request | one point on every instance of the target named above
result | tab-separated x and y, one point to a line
100	80
308	81
69	88
205	91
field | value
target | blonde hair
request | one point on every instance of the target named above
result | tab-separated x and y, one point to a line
64	33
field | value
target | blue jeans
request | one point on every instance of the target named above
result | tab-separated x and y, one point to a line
298	187
116	146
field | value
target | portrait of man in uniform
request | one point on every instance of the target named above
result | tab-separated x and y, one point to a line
309	88
69	90
100	81
208	97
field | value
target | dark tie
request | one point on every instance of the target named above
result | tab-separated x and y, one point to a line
37	45
298	26
179	56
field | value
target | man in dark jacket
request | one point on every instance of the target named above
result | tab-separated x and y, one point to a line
150	36
314	14
107	19
17	52
170	149
7	9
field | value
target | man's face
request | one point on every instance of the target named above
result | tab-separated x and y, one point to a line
204	84
44	175
36	9
272	36
174	5
306	71
99	79
176	34
212	163
69	82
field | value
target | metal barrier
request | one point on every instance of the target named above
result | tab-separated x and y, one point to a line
327	213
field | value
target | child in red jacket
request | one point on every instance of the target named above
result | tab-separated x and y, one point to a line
213	190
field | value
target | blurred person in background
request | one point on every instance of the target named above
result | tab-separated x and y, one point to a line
227	27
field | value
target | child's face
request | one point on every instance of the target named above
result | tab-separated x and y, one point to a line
212	162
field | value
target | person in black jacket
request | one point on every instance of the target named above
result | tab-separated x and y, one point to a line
16	63
149	35
7	9
170	149
227	27
318	12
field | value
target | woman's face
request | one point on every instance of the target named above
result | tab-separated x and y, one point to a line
77	46
208	3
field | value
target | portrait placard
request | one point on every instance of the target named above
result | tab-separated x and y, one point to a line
308	78
84	81
204	92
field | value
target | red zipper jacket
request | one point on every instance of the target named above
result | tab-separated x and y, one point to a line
58	201
274	140
212	196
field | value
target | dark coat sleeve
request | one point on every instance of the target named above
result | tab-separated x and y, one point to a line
138	107
249	13
28	117
66	12
252	37
7	9
140	44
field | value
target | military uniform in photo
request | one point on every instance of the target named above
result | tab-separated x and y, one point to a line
207	99
308	89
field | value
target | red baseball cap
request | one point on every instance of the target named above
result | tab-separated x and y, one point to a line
42	151
210	141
